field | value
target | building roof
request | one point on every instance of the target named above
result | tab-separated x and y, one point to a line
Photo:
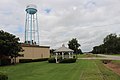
28	45
63	49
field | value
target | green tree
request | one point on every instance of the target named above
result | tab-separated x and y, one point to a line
52	52
110	38
111	45
99	49
9	45
74	45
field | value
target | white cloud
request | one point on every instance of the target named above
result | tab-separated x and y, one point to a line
67	19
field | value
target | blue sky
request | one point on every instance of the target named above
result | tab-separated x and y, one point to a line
61	20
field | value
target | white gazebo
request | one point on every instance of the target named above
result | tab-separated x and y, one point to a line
61	51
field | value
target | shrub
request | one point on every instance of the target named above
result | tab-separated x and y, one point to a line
25	60
3	76
5	62
66	60
38	60
51	60
32	60
69	60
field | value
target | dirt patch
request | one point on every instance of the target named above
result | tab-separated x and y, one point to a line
114	67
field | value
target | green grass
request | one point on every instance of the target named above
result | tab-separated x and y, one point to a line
116	54
81	70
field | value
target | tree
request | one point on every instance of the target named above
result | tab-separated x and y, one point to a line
111	44
99	49
9	45
74	45
110	38
79	51
52	52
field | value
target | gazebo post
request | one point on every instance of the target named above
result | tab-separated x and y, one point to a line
69	54
56	57
72	54
62	55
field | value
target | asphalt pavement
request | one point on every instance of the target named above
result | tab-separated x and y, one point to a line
107	57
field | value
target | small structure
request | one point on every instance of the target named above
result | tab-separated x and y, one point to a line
63	52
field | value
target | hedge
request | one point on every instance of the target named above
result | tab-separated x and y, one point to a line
3	76
51	60
68	60
25	60
38	60
32	60
5	62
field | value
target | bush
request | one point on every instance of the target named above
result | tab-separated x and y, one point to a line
38	60
5	62
51	60
25	60
32	60
69	60
3	76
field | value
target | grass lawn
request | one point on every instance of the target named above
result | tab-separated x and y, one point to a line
116	54
81	70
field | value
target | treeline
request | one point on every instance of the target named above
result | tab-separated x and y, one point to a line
111	45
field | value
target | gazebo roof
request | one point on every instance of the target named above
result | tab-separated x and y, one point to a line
63	49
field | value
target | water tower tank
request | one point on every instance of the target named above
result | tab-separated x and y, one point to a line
31	25
31	9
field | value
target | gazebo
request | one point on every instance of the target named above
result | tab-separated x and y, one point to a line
62	51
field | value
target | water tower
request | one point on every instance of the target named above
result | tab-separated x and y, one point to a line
31	25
